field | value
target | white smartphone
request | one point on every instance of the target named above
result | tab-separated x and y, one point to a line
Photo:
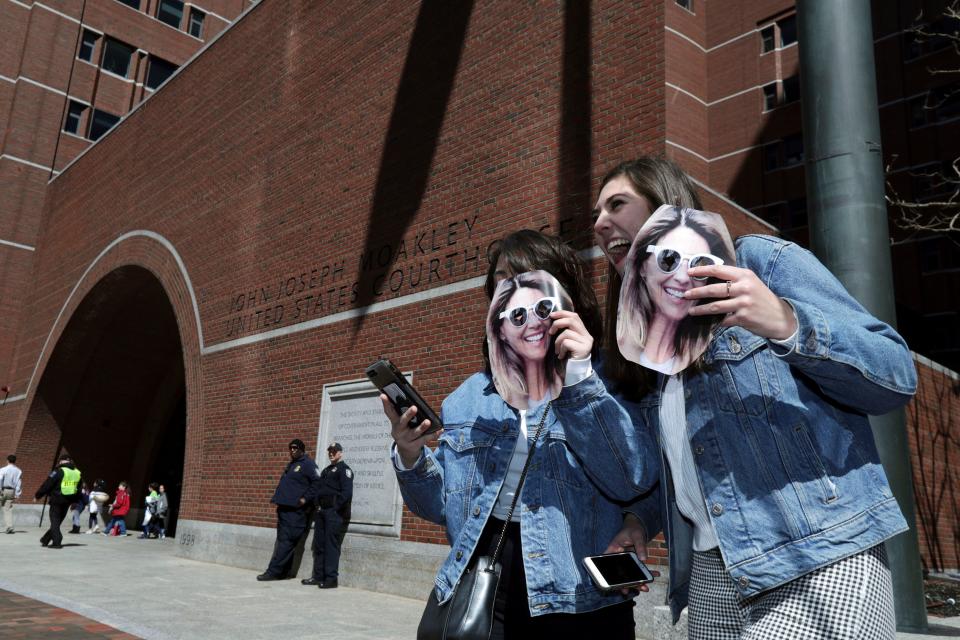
617	570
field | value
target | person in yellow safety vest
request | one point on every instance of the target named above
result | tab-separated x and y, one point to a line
61	488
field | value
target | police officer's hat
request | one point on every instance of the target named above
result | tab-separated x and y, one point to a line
334	446
298	443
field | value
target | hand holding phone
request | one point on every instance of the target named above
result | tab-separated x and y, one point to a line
617	570
402	395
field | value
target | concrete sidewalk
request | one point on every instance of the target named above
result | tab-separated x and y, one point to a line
143	588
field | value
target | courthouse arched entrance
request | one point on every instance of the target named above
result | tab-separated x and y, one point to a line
113	394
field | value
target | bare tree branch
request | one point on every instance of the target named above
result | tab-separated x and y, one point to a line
939	213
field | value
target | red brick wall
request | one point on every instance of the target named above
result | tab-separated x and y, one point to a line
261	161
933	428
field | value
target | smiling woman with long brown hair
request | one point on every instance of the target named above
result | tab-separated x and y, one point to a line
775	497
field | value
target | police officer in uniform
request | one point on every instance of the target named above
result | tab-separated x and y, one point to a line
332	519
61	487
294	497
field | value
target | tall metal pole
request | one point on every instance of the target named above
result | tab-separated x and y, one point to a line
848	225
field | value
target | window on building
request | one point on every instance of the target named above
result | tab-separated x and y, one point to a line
686	4
771	156
937	105
196	22
771	213
918	44
88	44
918	111
768	40
135	4
796	213
937	254
791	89
932	181
101	122
788	30
945	102
116	57
769	96
170	12
74	116
793	150
158	71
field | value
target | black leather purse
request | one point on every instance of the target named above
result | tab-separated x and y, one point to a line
468	614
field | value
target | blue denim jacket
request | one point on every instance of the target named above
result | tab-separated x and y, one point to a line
784	450
567	500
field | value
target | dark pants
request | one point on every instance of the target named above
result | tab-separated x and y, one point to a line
57	513
329	530
292	524
511	613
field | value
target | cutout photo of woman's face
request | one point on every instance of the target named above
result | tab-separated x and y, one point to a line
654	325
522	357
666	289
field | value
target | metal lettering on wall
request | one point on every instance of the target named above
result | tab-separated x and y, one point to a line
357	422
430	257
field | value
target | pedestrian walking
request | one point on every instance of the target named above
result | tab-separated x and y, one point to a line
163	506
294	497
60	488
331	520
82	498
98	498
10	488
149	511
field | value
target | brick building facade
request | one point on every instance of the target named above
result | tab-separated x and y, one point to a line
319	188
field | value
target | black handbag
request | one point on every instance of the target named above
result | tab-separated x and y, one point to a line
468	614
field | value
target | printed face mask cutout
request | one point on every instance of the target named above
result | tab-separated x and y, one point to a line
522	354
654	325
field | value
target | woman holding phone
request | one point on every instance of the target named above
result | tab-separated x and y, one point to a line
566	510
776	504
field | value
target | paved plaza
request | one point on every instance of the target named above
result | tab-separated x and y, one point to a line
103	587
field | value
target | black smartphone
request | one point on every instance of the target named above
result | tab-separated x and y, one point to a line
390	381
617	570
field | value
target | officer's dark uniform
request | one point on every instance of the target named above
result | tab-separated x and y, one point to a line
331	521
61	494
300	479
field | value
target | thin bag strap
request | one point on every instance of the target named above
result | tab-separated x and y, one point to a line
516	496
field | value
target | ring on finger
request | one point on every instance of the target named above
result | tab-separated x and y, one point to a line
728	288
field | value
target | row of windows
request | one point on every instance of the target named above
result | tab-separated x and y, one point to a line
171	12
786	28
116	57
